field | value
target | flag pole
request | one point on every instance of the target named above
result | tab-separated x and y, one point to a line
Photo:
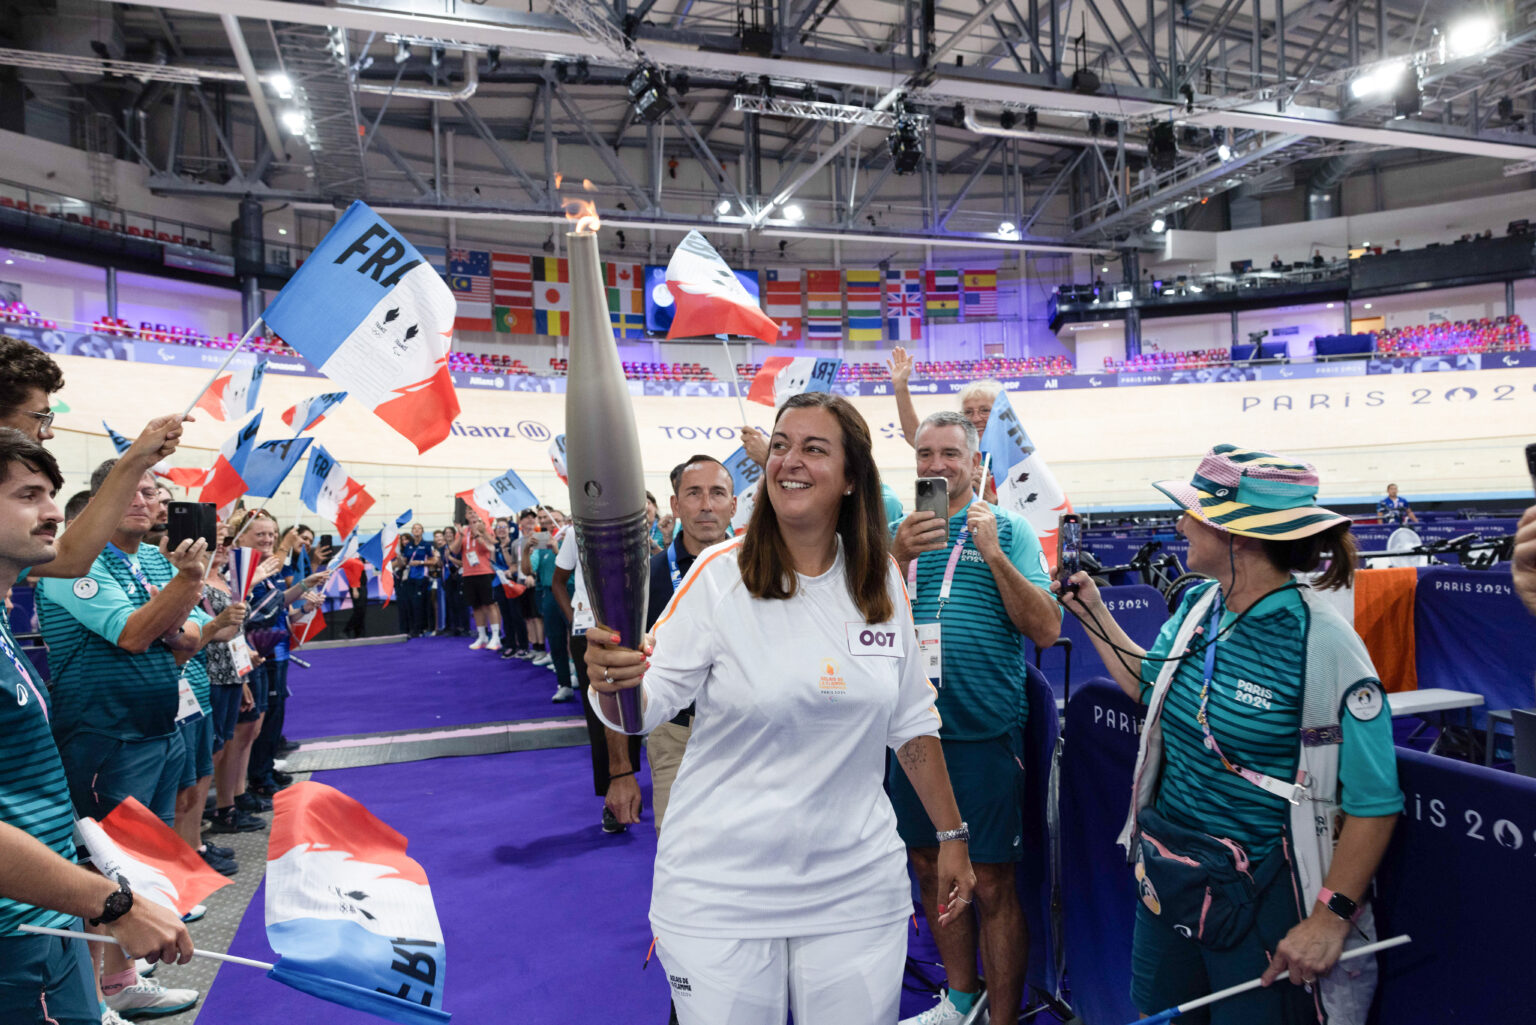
93	938
735	380
256	326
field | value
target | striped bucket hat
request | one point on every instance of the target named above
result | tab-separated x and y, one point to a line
1253	494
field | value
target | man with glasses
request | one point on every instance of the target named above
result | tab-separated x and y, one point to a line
28	379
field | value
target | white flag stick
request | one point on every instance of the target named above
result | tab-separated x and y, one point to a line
222	366
735	380
93	938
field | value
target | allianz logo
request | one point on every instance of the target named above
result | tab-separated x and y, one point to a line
930	387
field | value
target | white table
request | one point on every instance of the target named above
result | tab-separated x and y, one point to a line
1430	700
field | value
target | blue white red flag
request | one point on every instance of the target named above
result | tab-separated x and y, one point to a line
242	571
224	482
1025	484
270	465
234	394
134	843
327	491
307	414
557	457
745	475
379	550
506	495
122	444
349	914
710	299
783	376
374	317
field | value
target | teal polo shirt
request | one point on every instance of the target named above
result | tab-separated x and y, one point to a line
1254	713
34	796
982	695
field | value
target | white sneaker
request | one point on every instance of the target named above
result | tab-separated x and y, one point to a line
111	1017
198	911
542	659
479	643
943	1013
144	968
280	764
565	693
148	999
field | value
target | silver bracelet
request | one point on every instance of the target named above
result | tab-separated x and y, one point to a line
963	833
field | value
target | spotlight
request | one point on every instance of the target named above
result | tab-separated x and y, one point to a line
681	83
493	60
438	53
723	207
792	212
1111	128
1223	151
294	121
648	92
1124	295
1195	288
1094	125
282	85
1407	97
549	244
1188	92
1007	228
1007	119
1159	226
402	51
904	142
1471	36
1085	81
1377	81
1031	119
1162	147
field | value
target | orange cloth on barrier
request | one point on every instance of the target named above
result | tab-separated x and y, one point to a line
1384	620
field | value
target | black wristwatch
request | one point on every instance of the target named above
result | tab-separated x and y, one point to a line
118	904
1338	904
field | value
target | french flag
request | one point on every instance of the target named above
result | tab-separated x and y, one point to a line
783	376
307	415
270	465
308	626
327	491
376	318
349	914
557	457
242	571
225	482
234	394
380	551
710	300
158	864
501	496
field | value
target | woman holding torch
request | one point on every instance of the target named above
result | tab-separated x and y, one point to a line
780	881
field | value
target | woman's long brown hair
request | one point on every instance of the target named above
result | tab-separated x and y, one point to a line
766	567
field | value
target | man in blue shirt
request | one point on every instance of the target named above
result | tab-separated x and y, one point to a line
44	979
1393	509
980	588
416	589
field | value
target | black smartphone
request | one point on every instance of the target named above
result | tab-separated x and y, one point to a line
326	542
191	520
1069	550
1530	461
933	495
460	512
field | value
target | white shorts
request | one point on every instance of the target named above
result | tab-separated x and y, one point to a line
851	978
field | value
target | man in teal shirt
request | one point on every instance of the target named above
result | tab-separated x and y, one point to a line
980	589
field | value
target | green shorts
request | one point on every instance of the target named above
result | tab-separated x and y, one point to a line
988	779
197	756
44	979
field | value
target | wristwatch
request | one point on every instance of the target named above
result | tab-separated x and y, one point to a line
1338	904
963	833
118	904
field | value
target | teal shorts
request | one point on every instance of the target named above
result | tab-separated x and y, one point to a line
47	979
197	753
1167	969
988	779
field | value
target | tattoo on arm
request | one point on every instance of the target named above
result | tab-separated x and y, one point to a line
913	754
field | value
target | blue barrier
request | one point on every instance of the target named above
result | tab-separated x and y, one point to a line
1139	609
1458	879
1033	877
1471	633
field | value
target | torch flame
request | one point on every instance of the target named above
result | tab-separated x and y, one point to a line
582	213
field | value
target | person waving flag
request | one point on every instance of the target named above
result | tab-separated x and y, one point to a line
307	414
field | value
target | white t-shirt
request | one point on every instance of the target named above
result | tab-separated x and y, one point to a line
581	606
778	824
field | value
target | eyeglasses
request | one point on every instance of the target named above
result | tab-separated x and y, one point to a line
45	419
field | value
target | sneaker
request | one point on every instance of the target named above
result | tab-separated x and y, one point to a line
543	658
197	912
223	866
611	823
145	968
525	655
111	1017
477	645
252	802
563	694
507	653
234	820
943	1013
148	999
223	852
279	765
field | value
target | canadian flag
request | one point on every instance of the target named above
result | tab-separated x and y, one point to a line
234	394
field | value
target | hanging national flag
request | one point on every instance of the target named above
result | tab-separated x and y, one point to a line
225	481
234	394
133	843
349	914
626	300
980	294
327	491
512	293
242	571
375	318
160	469
1025	485
506	495
551	295
557	457
436	258
943	294
270	465
312	410
744	474
380	551
783	376
864	314
904	305
710	299
469	277
824	305
782	302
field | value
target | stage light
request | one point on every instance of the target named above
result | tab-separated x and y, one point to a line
1158	226
1407	98
648	92
1377	81
905	142
1162	146
1031	119
1367	305
493	59
282	85
793	212
1095	124
1223	151
681	83
402	51
1471	36
1007	119
1125	295
1111	128
1085	81
723	207
1007	228
1196	289
438	53
294	121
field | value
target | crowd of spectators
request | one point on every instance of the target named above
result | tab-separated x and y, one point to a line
1455	338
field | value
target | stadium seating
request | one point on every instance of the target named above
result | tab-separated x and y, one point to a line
1156	361
1455	338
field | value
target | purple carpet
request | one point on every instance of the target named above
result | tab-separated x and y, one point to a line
544	915
421	684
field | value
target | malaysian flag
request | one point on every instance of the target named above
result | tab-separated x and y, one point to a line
980	293
904	305
781	301
469	278
512	293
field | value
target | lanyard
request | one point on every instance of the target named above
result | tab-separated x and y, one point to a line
21	667
949	569
1292	792
672	565
138	574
